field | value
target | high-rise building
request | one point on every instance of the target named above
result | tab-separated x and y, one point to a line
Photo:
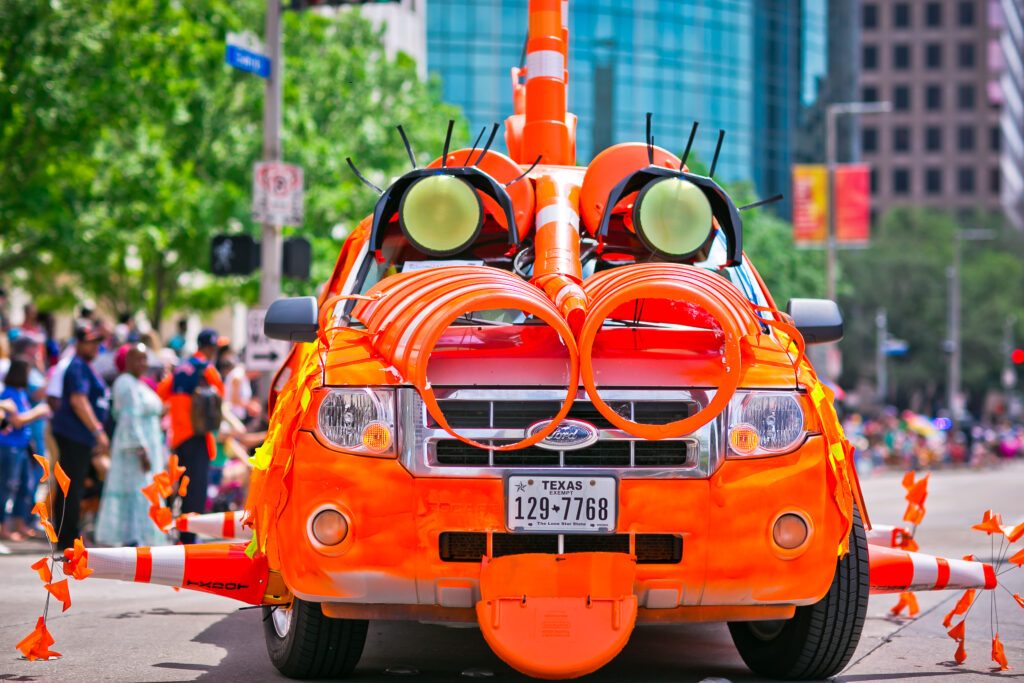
938	62
1012	123
729	64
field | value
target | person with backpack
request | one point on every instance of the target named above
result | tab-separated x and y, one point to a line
193	393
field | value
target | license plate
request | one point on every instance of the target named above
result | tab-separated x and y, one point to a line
564	504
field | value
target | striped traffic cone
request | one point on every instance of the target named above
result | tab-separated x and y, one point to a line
887	535
218	568
897	571
215	524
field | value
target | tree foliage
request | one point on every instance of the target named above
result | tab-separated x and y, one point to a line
127	142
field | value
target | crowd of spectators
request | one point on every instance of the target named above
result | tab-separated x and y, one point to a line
110	405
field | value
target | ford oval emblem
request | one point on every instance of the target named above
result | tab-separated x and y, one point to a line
570	435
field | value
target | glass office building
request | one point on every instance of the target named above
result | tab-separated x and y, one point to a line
729	64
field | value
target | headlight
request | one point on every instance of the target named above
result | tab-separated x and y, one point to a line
672	217
764	423
441	215
358	420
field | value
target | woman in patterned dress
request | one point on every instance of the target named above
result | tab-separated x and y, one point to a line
136	454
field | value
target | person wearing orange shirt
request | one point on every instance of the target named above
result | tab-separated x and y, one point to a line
194	448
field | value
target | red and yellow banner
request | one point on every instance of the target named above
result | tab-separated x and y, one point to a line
810	204
853	204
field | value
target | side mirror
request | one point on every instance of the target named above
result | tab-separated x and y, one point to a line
293	320
819	320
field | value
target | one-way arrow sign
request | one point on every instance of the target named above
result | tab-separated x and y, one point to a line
261	352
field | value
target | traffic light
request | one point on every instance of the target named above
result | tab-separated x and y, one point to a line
1017	356
234	255
295	258
300	5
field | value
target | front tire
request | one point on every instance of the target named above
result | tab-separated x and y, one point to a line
303	643
820	639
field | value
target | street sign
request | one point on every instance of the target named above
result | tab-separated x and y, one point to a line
896	347
277	193
245	52
262	353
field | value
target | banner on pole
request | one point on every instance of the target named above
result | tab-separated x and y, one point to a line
810	204
853	204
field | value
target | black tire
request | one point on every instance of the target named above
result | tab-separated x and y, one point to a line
820	639
303	643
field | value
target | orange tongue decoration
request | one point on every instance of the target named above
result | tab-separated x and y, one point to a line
36	645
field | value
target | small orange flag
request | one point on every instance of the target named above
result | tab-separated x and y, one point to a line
163	481
998	656
908	480
1016	533
36	645
45	464
62	478
961	606
957	632
152	493
59	590
173	469
960	655
1020	600
161	516
79	562
183	489
44	519
43	567
914	514
1018	558
918	492
991	524
908	600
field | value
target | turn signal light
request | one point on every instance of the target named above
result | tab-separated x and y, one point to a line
743	439
377	437
329	527
790	531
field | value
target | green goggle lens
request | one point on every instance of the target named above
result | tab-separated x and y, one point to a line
673	217
441	214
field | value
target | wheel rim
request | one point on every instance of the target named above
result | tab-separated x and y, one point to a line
282	619
767	630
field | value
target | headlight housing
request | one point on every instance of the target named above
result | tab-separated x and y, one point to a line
359	420
765	423
441	215
672	217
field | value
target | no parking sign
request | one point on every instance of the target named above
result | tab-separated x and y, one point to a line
277	193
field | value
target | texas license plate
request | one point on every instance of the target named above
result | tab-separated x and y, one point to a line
563	504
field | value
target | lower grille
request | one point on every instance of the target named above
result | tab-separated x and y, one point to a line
601	454
471	546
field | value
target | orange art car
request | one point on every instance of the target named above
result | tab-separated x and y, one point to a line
554	401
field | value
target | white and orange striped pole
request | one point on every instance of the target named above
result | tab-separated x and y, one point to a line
887	535
228	524
556	265
897	571
546	134
218	568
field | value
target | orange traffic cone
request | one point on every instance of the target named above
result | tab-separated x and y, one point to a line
218	568
897	571
215	525
887	535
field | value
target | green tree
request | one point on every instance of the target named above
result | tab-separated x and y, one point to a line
151	152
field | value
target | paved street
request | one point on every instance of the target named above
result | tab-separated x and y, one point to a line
127	632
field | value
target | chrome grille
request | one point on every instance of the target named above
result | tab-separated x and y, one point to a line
500	416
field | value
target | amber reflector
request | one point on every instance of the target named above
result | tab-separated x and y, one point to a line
743	439
377	437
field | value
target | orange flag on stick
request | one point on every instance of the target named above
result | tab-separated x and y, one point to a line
961	606
917	493
991	523
173	469
163	481
78	565
1018	558
960	655
62	478
161	516
957	632
1020	600
1016	533
908	480
43	567
998	656
183	489
36	645
152	493
908	600
44	519
45	464
59	590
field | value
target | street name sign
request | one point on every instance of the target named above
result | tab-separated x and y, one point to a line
245	52
277	193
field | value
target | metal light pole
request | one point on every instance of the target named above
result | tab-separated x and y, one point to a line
953	384
270	255
882	327
831	112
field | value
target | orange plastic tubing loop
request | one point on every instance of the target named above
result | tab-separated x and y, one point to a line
691	286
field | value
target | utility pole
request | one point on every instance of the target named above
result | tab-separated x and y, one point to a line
882	325
953	316
270	257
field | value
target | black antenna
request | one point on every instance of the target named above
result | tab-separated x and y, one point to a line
361	176
718	148
762	202
483	152
447	142
522	57
532	166
689	143
475	143
408	147
650	141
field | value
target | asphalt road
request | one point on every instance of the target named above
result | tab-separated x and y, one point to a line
126	632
